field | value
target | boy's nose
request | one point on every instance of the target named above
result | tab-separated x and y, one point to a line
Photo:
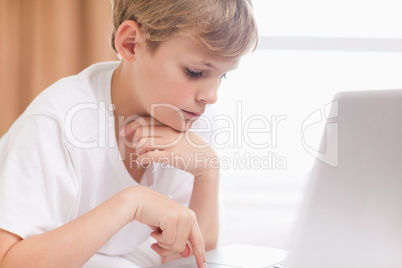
208	93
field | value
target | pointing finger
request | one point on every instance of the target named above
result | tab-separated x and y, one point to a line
197	243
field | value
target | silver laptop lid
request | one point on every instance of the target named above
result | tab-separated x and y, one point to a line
352	215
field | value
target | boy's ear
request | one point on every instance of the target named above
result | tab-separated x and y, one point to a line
127	38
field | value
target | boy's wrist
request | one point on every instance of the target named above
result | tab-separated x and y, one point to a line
207	165
210	173
129	199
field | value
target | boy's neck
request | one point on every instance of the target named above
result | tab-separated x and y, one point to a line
123	95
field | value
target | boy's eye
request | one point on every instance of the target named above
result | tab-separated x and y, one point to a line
193	74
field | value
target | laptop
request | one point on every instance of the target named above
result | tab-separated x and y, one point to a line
352	212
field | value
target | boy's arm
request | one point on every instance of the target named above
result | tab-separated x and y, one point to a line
74	243
186	151
204	202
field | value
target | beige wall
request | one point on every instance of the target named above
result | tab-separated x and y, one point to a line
42	41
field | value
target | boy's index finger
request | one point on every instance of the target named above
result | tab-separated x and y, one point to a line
132	126
198	246
129	128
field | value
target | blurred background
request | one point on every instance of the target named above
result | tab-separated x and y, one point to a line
309	50
45	40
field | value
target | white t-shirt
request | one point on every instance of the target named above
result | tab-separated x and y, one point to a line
59	160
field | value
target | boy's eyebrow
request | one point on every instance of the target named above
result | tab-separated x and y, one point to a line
201	60
204	64
209	65
212	66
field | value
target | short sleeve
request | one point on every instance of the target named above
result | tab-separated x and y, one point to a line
38	185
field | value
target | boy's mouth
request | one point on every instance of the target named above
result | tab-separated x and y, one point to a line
191	115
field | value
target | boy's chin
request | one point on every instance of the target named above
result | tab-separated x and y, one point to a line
181	125
177	123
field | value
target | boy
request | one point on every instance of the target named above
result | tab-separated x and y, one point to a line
78	174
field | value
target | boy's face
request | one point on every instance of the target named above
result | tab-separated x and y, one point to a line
176	82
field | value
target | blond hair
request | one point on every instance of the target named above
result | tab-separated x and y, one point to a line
225	27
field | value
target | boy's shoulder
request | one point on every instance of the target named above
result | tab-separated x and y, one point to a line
91	86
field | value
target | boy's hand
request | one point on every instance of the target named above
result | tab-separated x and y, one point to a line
174	225
155	142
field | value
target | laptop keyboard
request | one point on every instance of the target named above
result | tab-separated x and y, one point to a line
210	265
